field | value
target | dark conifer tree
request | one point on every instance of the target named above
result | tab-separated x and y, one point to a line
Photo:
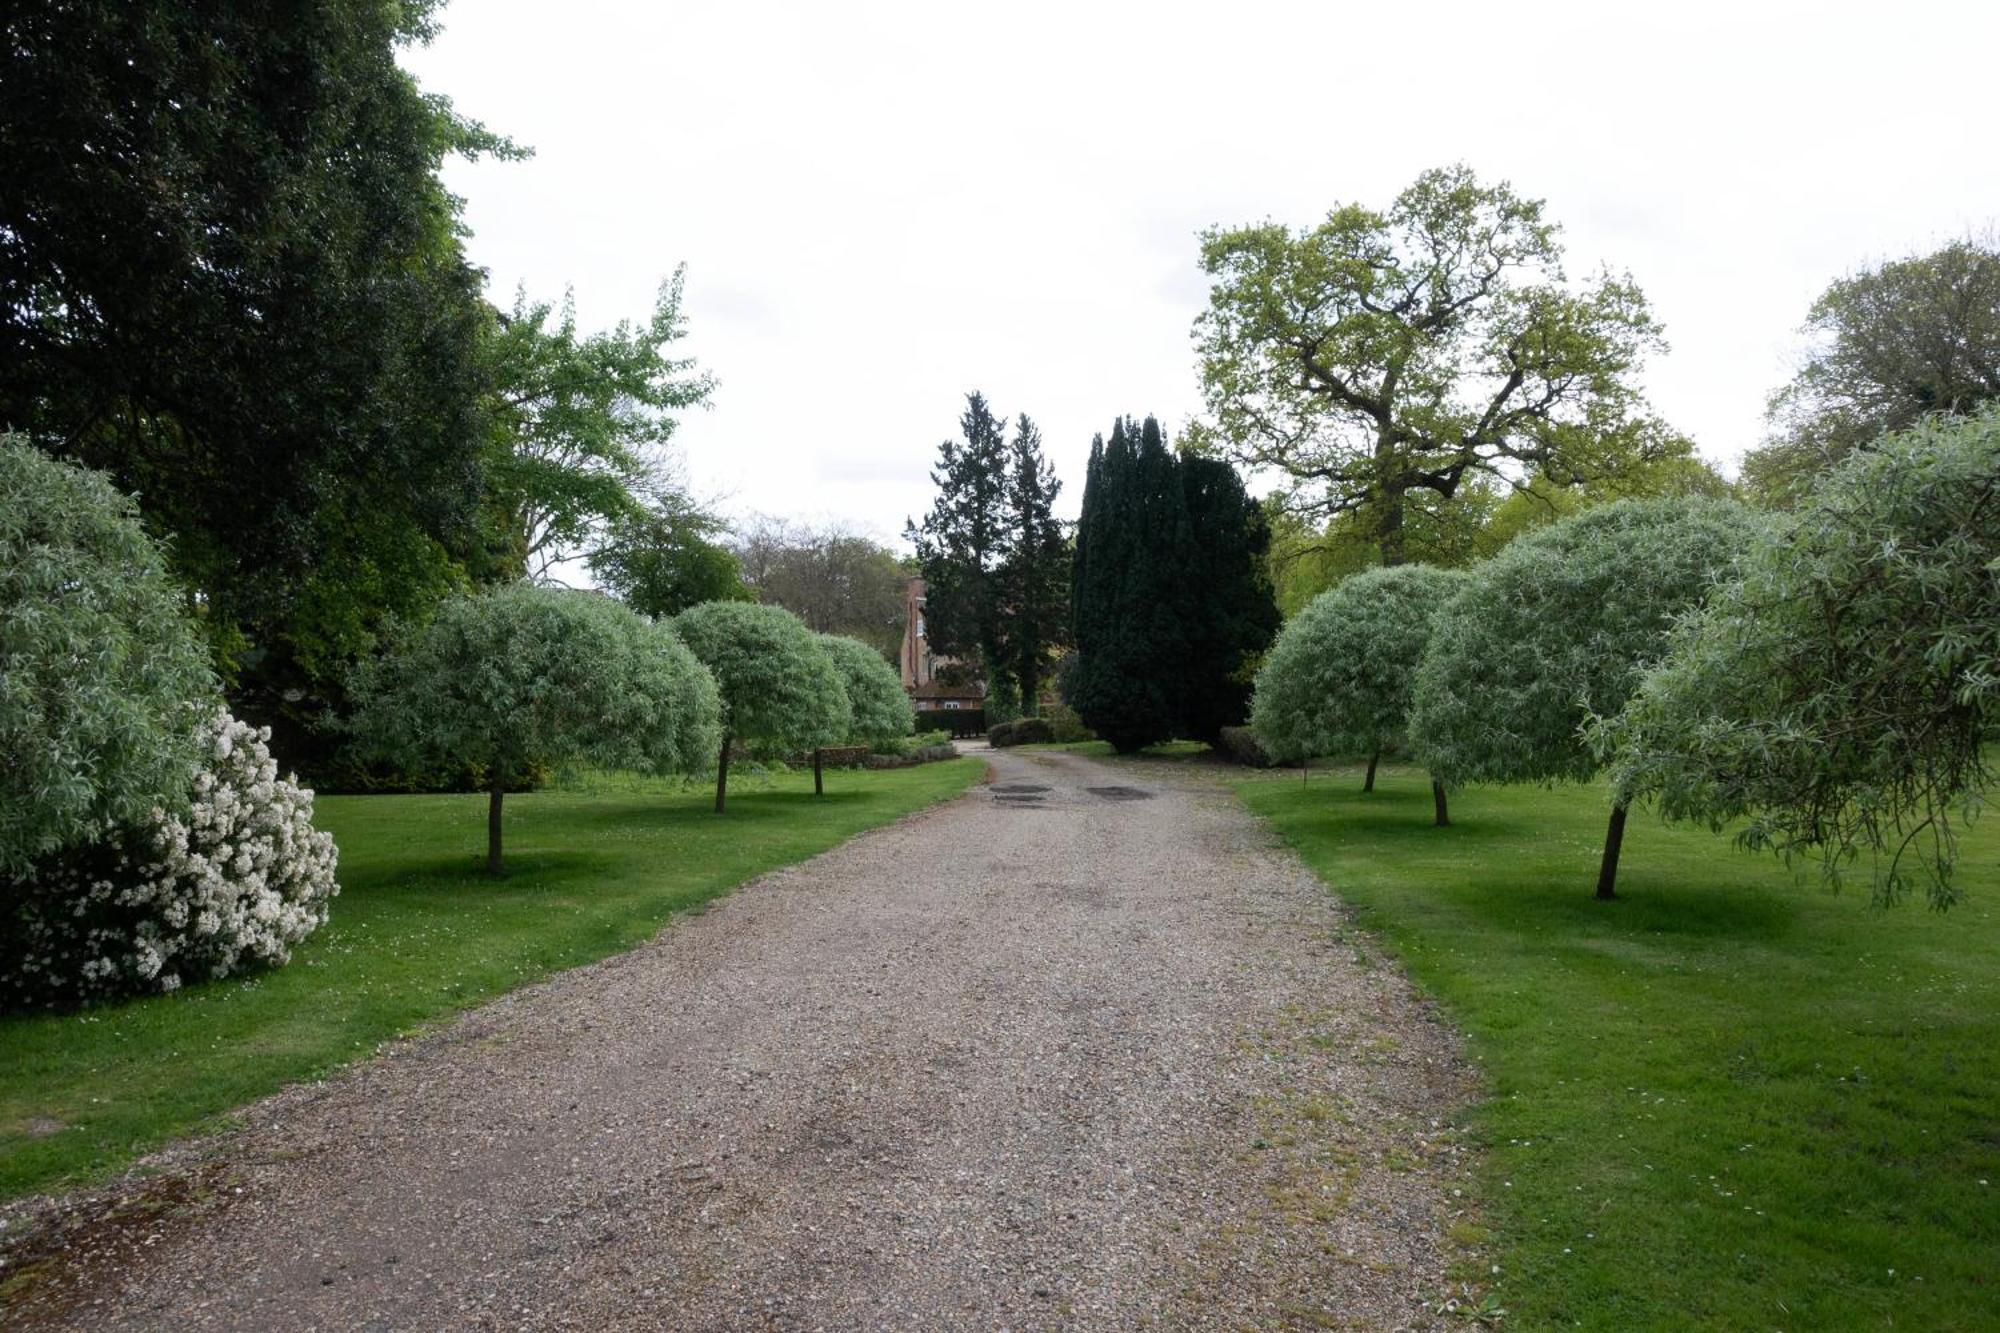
1228	612
1127	625
1036	578
962	543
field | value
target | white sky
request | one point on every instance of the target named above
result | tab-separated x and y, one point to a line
882	206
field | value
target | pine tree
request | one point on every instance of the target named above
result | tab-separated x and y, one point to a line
1036	577
962	542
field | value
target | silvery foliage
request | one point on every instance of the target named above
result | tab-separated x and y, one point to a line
104	681
780	688
1837	694
1558	628
233	883
526	677
880	708
1338	680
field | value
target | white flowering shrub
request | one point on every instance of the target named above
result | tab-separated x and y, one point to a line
232	884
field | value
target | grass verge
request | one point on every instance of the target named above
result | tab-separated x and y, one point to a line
417	934
1730	1100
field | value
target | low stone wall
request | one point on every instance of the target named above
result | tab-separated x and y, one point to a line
929	754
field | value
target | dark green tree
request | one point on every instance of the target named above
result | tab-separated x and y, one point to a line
231	278
1130	544
1228	612
666	558
963	541
1035	578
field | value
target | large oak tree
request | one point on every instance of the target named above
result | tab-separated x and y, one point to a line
1383	361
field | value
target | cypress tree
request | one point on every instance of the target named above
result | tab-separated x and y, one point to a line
1228	612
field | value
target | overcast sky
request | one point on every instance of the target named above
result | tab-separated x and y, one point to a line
883	206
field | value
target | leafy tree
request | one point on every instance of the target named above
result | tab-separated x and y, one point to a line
1035	577
835	579
582	424
1224	595
664	560
523	678
1130	542
963	540
1383	361
1339	679
780	687
104	681
881	710
1837	695
1557	629
1888	345
231	278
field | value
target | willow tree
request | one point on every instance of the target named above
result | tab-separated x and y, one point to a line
526	678
878	704
1383	362
1558	629
780	687
1339	678
1836	697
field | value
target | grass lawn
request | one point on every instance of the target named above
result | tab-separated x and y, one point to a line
1730	1100
417	933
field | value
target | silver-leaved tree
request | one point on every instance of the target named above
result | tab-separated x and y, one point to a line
1338	680
1557	629
779	685
527	678
1837	696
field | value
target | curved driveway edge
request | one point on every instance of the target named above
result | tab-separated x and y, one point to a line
1095	1056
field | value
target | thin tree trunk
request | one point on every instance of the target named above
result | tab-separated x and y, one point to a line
1031	686
1373	759
722	774
819	779
493	800
1443	819
1614	839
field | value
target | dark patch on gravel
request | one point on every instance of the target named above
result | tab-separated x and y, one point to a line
1120	793
1020	788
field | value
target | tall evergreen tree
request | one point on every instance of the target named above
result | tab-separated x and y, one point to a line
1036	578
963	541
1228	611
1128	631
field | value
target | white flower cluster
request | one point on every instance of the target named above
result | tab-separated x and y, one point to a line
234	884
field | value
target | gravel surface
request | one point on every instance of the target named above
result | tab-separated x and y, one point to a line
1081	1050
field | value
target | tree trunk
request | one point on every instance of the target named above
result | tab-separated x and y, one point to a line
1373	759
722	774
1443	819
493	800
1389	531
1614	839
819	777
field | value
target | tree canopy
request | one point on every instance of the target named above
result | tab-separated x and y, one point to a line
837	580
1836	697
666	558
963	540
1381	362
1886	346
780	688
104	680
881	710
1171	599
231	278
523	678
1339	678
1035	572
582	422
1558	628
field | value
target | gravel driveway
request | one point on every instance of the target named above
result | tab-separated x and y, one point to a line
1081	1050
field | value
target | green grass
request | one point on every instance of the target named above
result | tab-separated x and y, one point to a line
1731	1100
417	934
